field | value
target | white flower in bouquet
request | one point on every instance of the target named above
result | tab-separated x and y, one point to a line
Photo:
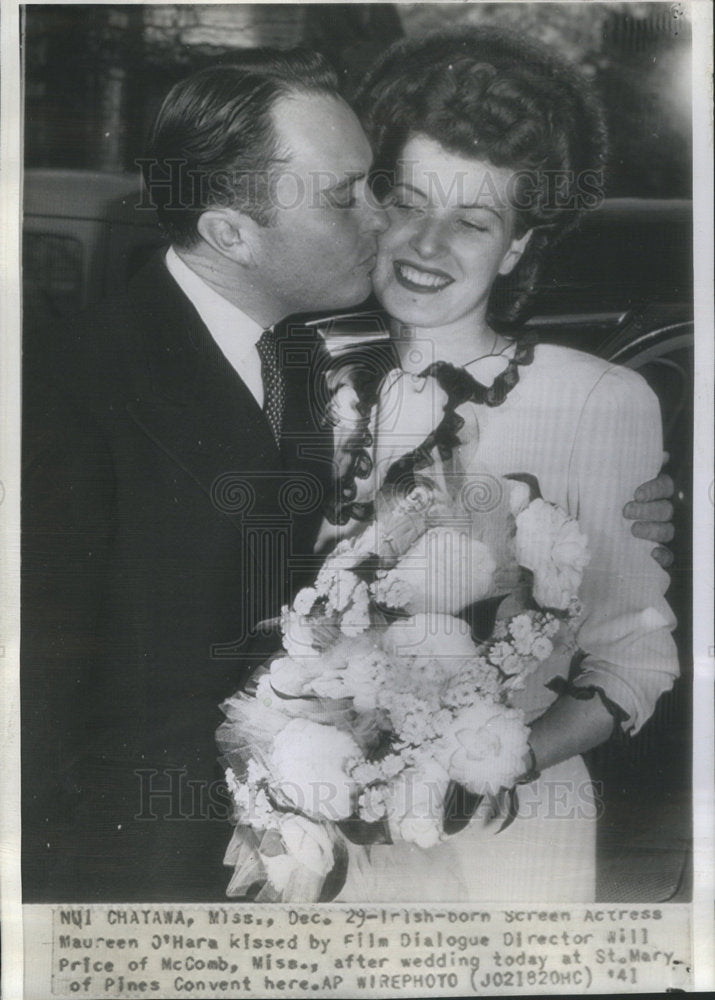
252	806
484	747
414	718
430	637
304	600
393	590
366	772
519	496
521	626
309	766
292	676
551	626
391	765
337	584
524	645
444	571
503	655
542	647
330	685
372	803
549	543
363	675
415	805
356	617
477	679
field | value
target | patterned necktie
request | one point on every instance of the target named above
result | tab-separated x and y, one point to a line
273	382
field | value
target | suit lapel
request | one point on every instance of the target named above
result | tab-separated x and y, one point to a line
195	407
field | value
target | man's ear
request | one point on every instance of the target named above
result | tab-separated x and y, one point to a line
513	254
228	232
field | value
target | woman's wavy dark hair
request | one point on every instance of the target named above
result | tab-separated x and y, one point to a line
494	96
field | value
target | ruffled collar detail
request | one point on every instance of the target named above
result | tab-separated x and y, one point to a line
463	385
361	389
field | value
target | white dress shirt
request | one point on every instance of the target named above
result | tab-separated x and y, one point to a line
235	333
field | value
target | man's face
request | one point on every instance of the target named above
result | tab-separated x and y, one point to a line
319	251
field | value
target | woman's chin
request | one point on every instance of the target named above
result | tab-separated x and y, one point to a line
410	312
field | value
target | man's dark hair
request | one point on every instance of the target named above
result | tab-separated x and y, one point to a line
214	142
495	96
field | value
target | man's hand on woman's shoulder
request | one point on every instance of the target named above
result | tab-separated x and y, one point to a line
652	514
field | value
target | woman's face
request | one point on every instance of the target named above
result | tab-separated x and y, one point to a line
451	233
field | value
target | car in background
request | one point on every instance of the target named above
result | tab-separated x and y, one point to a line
620	287
84	235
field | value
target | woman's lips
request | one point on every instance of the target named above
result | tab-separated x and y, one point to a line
420	279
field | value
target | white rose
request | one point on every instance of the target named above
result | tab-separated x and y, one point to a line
445	570
293	676
549	543
416	803
430	637
309	767
485	747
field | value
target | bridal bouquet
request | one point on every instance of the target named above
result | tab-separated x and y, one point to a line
381	702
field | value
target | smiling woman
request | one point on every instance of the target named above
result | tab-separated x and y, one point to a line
494	148
453	230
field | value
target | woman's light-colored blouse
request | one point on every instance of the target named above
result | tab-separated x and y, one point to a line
590	432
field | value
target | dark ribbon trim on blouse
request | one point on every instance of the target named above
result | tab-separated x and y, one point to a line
460	387
584	693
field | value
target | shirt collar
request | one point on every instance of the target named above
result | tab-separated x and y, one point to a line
226	323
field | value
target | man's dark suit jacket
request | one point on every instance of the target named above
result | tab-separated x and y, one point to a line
160	524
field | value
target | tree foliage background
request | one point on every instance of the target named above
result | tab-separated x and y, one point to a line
94	75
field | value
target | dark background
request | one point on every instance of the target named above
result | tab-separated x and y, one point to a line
96	74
